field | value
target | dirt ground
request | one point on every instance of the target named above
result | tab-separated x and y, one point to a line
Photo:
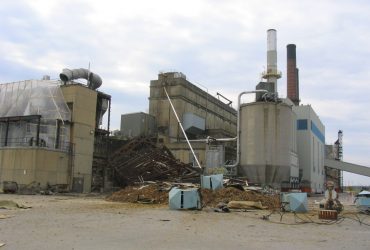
90	222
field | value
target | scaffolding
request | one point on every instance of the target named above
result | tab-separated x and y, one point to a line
34	113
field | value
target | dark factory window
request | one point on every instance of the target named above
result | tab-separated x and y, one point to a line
302	124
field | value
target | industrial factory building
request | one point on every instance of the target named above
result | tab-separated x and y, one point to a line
268	136
50	132
202	116
311	148
310	132
278	142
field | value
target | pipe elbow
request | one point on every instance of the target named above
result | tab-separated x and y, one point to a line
94	80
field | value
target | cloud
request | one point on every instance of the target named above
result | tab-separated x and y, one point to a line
218	44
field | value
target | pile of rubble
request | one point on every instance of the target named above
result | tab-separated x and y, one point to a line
210	198
141	160
152	193
157	193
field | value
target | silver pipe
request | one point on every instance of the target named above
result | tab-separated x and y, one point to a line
183	131
94	80
208	139
238	125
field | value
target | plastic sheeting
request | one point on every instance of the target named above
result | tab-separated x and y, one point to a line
34	97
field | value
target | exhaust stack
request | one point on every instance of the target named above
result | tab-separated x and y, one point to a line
292	75
271	74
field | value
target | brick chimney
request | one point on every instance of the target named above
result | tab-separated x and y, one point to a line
292	75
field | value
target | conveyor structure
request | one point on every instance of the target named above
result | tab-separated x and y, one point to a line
348	167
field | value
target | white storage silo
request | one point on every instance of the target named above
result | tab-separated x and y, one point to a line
268	143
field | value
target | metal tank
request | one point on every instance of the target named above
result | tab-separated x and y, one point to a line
267	142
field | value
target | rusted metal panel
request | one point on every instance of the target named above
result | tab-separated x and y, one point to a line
328	215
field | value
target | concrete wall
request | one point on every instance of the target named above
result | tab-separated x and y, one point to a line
220	119
40	165
311	146
82	102
181	151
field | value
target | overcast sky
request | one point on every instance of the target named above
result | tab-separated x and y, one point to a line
219	44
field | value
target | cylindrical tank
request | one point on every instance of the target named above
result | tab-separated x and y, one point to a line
267	140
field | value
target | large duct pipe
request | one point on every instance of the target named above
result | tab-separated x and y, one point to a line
94	80
292	74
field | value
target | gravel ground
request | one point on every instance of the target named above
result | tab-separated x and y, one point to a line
81	222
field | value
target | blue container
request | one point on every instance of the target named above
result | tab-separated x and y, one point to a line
184	199
363	203
295	202
213	182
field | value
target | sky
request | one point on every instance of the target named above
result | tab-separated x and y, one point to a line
218	44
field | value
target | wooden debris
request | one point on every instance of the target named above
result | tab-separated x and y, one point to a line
245	205
211	198
141	160
153	193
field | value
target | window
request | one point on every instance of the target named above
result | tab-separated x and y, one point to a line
302	124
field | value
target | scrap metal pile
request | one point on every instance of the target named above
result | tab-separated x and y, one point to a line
141	160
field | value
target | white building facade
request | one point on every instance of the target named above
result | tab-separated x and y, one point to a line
311	149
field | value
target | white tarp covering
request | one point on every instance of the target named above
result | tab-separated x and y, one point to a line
34	97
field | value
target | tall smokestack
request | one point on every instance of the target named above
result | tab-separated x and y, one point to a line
292	74
271	73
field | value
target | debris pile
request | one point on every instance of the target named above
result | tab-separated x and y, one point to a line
152	193
211	198
141	160
157	193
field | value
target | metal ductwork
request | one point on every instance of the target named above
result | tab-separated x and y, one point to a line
93	80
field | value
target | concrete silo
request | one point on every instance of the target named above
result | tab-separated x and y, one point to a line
268	143
267	133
